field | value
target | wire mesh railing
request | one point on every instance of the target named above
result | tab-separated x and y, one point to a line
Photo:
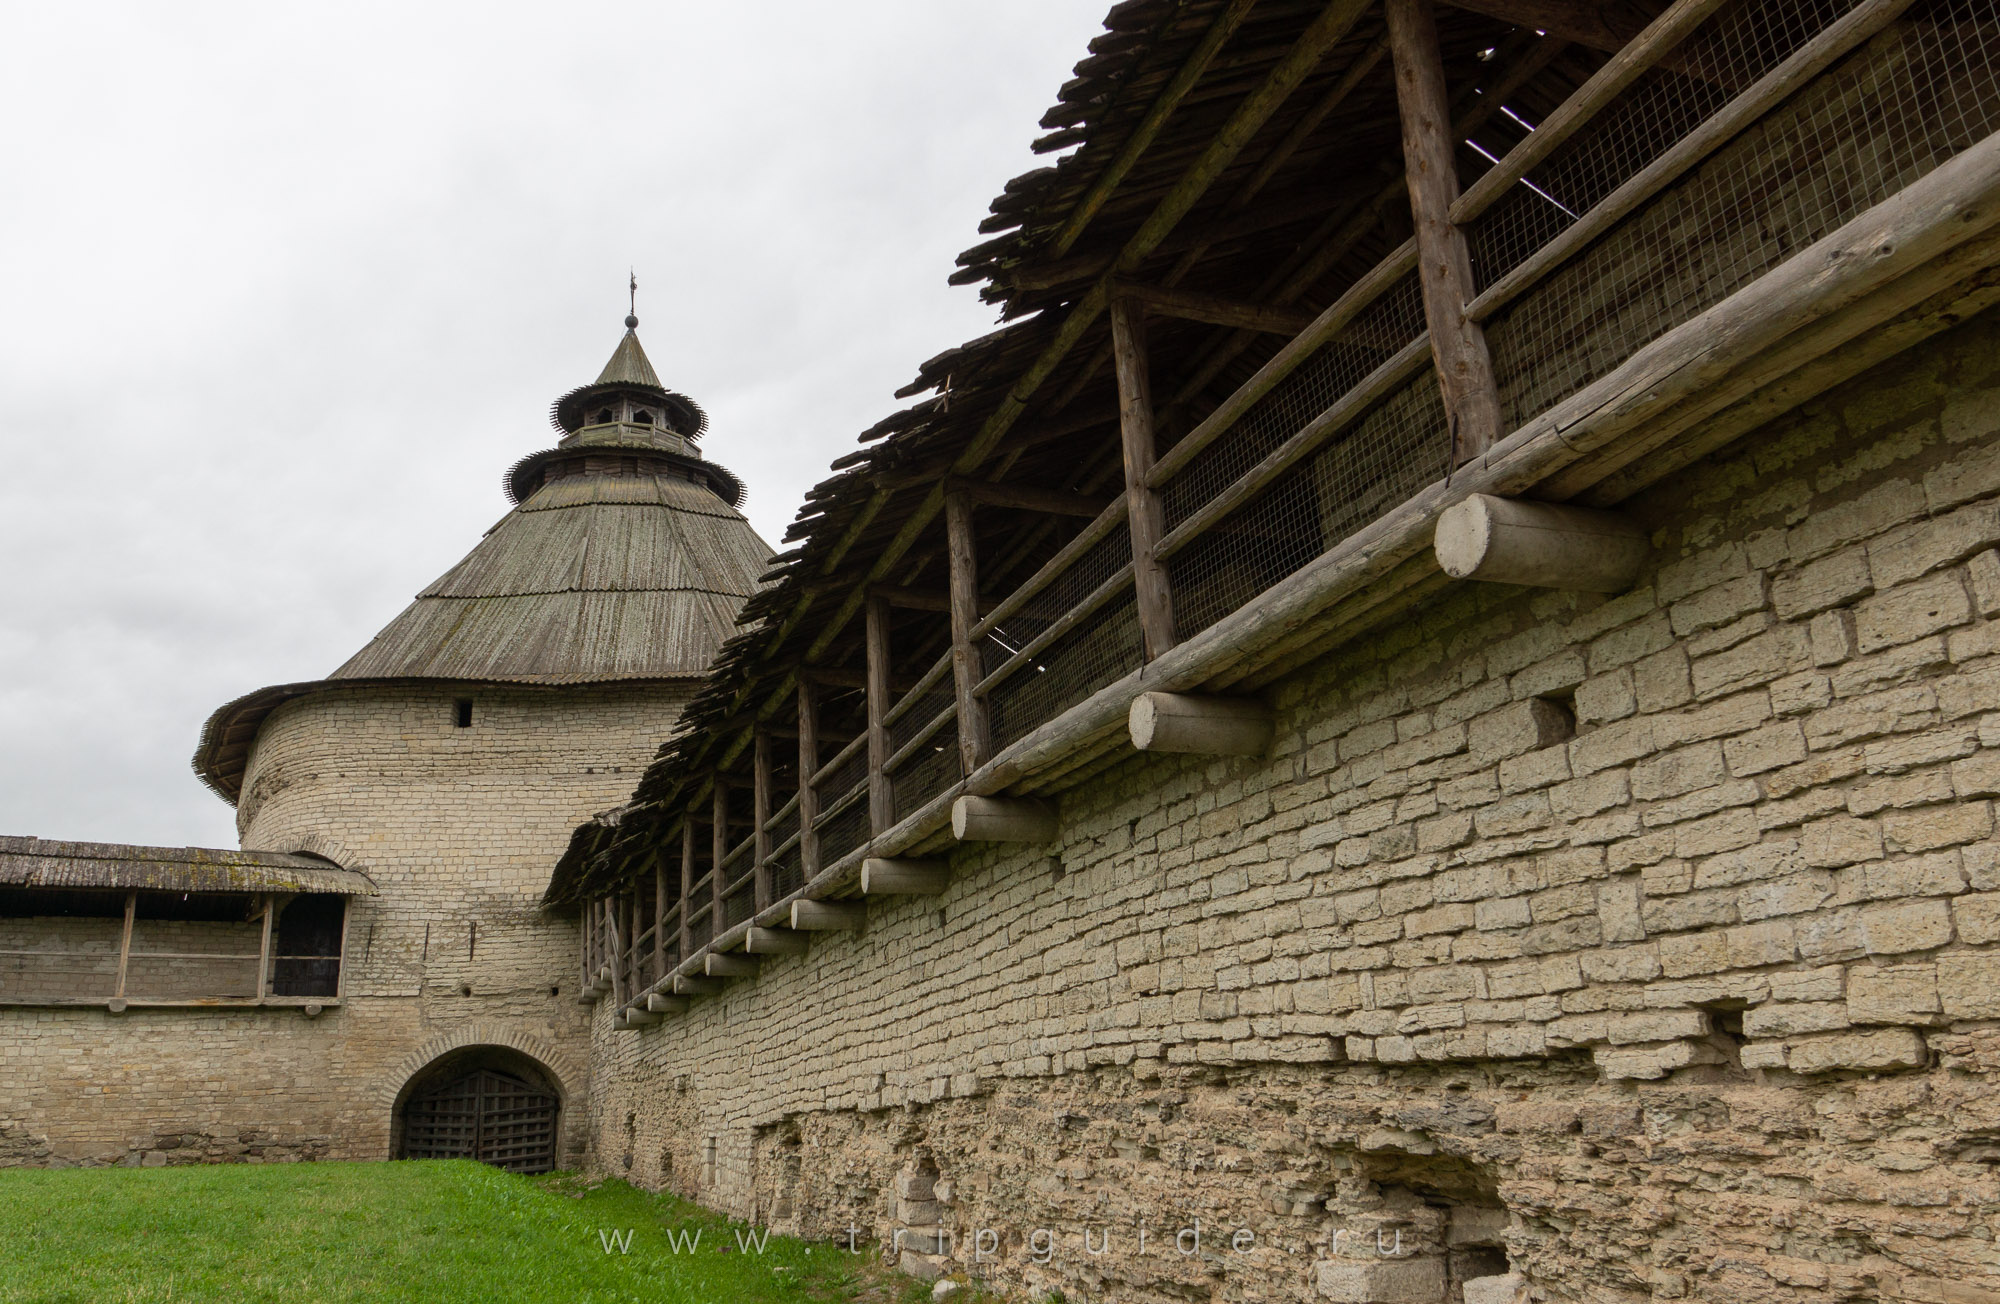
1907	99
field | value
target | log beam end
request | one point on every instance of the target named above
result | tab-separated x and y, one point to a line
1003	819
1545	545
903	877
828	916
1201	725
775	941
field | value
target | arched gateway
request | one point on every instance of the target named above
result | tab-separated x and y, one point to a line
488	1103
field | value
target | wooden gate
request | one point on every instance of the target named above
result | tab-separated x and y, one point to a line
488	1116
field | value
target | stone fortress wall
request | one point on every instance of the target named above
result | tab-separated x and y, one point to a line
458	828
1646	946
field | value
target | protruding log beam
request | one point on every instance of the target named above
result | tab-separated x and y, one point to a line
1143	509
696	985
1547	545
1217	310
775	941
881	797
904	877
1003	819
974	744
1200	725
661	1003
619	1023
637	1018
1444	267
719	965
828	916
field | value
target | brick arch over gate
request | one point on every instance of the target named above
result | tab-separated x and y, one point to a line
314	844
567	1075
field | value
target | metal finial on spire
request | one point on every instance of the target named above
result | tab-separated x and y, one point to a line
632	317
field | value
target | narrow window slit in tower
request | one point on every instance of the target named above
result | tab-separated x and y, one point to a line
464	709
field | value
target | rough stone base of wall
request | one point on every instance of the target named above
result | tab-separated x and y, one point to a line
1427	1184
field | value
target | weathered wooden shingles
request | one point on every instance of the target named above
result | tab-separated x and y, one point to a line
1348	159
41	863
596	577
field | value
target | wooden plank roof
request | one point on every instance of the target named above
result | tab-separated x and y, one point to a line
36	863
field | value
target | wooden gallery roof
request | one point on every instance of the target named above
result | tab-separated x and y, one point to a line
624	559
30	863
1226	245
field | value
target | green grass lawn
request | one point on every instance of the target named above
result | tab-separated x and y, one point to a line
435	1232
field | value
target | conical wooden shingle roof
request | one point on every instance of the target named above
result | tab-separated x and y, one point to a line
624	559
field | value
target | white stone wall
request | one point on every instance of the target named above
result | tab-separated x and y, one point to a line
1697	1001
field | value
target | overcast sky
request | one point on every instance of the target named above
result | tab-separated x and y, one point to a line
285	288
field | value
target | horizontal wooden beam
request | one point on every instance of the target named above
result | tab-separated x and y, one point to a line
1199	724
775	941
828	916
913	599
1004	819
634	1017
661	1003
1028	498
904	877
687	984
1546	545
1216	310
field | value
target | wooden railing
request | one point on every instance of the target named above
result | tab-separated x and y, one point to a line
1345	419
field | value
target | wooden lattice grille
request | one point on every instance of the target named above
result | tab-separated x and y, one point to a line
488	1116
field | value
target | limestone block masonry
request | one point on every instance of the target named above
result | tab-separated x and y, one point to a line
457	826
1567	946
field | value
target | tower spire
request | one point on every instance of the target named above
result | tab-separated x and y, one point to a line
632	316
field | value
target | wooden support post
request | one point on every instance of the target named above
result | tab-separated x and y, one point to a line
761	766
881	798
719	965
1464	367
695	985
589	931
615	960
718	848
1003	819
659	918
264	953
974	742
125	942
340	968
1143	509
634	974
1548	545
808	794
828	916
661	1003
904	877
1201	725
687	885
774	941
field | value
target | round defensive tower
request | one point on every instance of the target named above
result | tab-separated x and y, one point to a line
521	692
